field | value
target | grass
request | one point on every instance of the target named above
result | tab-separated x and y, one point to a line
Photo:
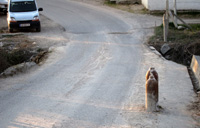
183	43
14	57
177	36
181	14
16	49
132	8
140	9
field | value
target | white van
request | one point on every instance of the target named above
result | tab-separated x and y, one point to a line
3	5
23	14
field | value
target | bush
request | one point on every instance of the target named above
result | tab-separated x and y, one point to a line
18	56
15	57
4	64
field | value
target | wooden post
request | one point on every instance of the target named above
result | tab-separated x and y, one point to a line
172	17
183	22
175	12
167	15
166	22
167	9
165	27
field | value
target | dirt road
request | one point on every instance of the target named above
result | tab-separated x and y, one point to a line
95	75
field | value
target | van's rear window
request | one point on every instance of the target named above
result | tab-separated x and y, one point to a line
25	6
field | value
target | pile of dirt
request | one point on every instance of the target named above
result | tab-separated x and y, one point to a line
18	48
182	44
195	107
13	57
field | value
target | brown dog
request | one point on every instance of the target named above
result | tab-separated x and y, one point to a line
153	71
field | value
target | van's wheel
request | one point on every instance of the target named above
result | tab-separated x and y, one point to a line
10	30
38	29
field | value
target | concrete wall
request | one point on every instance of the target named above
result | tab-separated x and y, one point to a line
181	4
145	3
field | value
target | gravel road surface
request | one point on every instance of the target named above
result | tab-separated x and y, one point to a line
91	76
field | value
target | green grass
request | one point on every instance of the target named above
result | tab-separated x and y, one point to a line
126	7
177	36
181	14
195	27
109	3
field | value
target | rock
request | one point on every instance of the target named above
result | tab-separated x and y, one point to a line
37	59
18	68
168	57
157	53
165	48
152	48
181	28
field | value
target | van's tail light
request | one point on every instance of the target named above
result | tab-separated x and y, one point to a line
12	19
35	18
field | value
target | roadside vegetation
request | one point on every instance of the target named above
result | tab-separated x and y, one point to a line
138	8
18	48
183	43
128	7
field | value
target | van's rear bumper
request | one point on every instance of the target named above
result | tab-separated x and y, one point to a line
25	25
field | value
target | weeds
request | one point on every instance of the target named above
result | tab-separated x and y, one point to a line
183	43
8	59
128	7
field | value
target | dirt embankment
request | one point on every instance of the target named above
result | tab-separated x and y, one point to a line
16	49
26	45
182	44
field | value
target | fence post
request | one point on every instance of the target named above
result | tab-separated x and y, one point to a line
166	22
175	12
165	27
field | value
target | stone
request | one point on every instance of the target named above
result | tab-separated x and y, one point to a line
18	68
168	57
165	48
181	28
152	48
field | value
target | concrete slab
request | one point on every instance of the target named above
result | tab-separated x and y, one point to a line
195	66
